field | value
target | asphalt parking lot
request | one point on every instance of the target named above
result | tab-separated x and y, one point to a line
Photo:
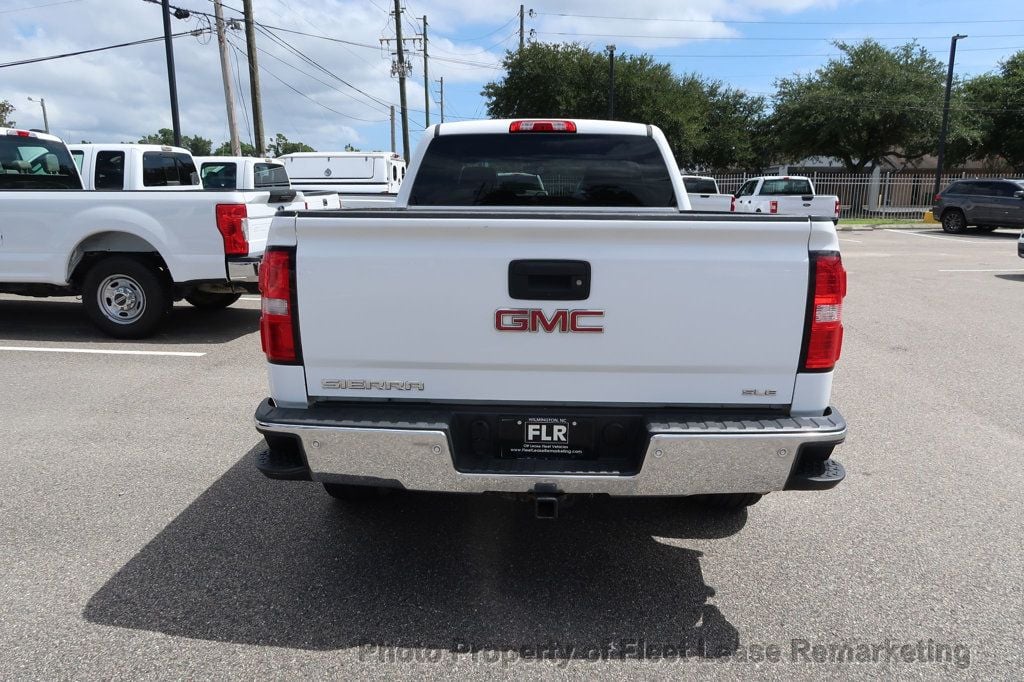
138	540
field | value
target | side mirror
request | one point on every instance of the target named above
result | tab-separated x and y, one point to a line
1018	195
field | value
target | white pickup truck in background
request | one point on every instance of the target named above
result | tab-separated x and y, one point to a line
596	337
705	195
135	167
363	179
128	254
260	174
785	195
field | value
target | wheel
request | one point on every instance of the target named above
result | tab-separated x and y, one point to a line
211	301
125	297
729	501
355	493
953	221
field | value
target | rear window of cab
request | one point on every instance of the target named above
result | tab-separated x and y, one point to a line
544	169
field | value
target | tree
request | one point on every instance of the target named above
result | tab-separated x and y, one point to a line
281	146
571	81
199	146
350	148
225	149
6	109
994	105
868	104
735	134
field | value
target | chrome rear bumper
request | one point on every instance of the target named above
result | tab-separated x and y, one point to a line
681	458
244	270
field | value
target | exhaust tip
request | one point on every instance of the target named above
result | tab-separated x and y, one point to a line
546	507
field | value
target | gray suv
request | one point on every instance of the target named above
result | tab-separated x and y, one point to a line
985	204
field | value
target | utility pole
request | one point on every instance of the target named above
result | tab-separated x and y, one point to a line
225	72
522	22
945	112
426	78
392	128
401	79
254	79
46	121
442	99
611	82
171	83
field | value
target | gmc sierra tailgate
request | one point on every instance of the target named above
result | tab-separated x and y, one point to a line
681	309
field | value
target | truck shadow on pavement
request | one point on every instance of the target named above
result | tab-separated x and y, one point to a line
270	563
37	320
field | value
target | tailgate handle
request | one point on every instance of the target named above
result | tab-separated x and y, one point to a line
549	280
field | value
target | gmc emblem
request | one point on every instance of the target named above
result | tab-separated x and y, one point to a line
535	320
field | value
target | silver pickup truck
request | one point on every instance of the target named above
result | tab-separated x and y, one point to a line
594	337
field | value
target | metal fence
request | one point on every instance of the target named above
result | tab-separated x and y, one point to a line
865	195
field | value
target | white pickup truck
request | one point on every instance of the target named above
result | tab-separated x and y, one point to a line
135	167
596	338
785	195
250	173
705	195
129	254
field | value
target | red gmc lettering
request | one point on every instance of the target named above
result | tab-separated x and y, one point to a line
535	320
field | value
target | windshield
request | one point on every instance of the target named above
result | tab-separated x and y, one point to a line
547	169
700	186
787	187
32	163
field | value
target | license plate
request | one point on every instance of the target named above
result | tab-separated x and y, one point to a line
546	437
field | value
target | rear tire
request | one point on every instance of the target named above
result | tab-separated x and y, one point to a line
953	221
125	297
206	300
355	493
731	501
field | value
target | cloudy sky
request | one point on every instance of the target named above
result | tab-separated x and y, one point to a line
326	80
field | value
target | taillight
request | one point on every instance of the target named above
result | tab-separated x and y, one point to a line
773	206
837	208
229	222
279	332
823	335
542	127
937	198
732	204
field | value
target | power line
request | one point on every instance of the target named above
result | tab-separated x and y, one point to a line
784	23
312	62
325	84
810	54
144	41
753	38
48	4
299	92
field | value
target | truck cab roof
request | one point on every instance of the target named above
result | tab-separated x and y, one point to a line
22	132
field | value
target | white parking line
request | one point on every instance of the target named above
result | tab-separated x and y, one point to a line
962	240
987	270
855	241
97	351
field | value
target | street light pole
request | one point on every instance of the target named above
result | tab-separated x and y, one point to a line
46	121
945	113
